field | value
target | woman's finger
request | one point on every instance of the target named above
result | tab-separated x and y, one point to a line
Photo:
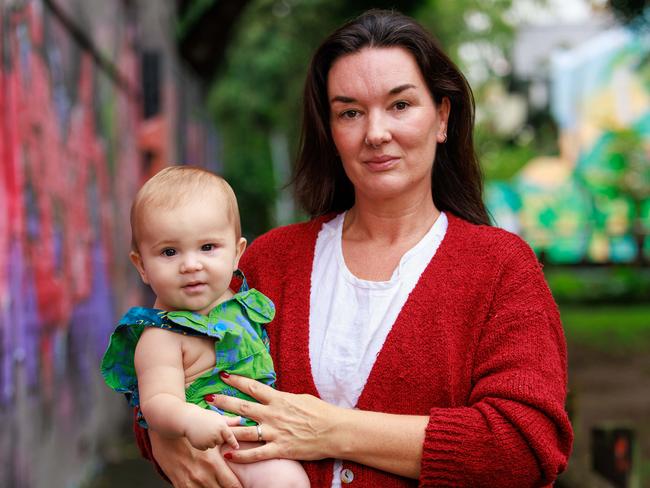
261	392
249	434
246	456
222	472
249	410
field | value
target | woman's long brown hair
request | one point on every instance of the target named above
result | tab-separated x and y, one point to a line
321	185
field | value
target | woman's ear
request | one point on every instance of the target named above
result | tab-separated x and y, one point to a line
136	259
444	108
241	246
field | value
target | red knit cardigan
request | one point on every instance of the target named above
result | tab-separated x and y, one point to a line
478	348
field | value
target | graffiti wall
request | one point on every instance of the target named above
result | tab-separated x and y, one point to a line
75	144
591	203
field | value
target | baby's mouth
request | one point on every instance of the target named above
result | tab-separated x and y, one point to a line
194	286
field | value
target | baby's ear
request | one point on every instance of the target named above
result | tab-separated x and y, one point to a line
136	259
241	246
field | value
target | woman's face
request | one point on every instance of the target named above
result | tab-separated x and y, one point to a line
384	122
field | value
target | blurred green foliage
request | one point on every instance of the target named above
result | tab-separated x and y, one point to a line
609	329
600	285
629	153
631	10
258	91
501	159
502	156
468	21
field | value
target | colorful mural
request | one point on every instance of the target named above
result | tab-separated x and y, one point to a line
74	148
592	202
70	162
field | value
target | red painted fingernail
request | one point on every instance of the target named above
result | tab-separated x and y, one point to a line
208	398
228	455
224	374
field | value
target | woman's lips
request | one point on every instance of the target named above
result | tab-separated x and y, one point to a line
381	163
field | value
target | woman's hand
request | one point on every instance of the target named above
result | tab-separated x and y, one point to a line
293	426
187	467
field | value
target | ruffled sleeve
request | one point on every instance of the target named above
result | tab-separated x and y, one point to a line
117	365
257	306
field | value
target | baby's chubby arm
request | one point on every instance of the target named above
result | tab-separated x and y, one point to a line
161	385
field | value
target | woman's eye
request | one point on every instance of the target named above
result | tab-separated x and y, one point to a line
350	114
169	252
208	247
401	105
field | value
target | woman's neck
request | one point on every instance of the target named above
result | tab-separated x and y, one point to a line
390	222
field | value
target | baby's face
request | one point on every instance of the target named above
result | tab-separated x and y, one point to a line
188	254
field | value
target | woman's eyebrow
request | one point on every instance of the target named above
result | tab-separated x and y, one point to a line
401	88
342	99
392	91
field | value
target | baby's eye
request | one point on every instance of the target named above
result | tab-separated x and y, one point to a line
169	252
208	247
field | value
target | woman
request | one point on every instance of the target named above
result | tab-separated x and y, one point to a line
413	342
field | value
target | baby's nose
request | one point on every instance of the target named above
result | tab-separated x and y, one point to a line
190	264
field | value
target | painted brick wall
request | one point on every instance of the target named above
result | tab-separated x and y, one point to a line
75	145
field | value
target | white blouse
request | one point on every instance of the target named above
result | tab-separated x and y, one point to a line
350	318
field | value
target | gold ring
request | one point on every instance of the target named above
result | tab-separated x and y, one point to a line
259	433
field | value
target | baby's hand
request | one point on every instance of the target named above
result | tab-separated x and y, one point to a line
206	429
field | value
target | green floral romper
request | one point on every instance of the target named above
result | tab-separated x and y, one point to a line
240	342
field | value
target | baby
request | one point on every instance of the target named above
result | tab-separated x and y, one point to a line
186	245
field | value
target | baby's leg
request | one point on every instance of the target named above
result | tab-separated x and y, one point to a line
271	473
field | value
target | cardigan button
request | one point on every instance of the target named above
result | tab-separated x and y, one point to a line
347	476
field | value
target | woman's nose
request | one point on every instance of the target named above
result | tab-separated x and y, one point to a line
378	131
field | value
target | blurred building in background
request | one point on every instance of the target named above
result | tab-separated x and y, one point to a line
93	99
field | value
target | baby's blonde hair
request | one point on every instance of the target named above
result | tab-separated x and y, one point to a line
175	185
